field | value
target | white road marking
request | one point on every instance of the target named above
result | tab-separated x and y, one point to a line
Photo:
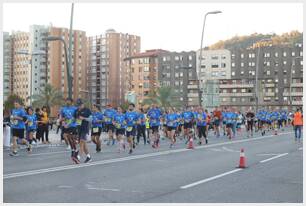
216	150
266	160
300	148
103	162
267	154
64	186
210	179
103	189
229	150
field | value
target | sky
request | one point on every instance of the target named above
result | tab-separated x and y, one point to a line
169	26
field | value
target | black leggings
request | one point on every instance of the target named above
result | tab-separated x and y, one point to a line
249	125
202	131
141	130
45	130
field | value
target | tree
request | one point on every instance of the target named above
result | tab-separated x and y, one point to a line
164	97
9	103
48	96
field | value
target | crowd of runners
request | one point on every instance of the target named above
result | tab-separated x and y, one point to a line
125	128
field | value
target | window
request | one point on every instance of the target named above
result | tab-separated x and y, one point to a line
242	56
233	64
181	74
268	72
233	73
242	64
233	56
214	57
276	63
176	58
223	65
301	53
267	54
223	73
190	57
233	99
224	99
243	90
145	69
223	57
242	73
284	62
293	53
284	54
234	90
214	66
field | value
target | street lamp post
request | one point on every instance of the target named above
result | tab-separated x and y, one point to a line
290	81
34	53
256	74
200	61
69	77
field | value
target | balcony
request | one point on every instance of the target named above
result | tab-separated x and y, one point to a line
229	86
236	94
293	94
298	103
270	85
297	85
192	95
269	94
192	86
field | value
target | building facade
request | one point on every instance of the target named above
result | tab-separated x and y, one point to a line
107	71
7	66
21	65
143	74
280	67
175	69
215	65
56	69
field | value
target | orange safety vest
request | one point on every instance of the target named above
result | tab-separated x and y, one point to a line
298	119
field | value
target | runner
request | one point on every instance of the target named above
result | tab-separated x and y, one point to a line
250	121
120	125
217	116
131	118
283	119
275	118
84	114
172	123
97	119
229	123
208	121
154	115
68	115
18	116
141	126
201	119
31	126
297	124
188	117
109	114
223	121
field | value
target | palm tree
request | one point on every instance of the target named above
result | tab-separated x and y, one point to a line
48	96
164	97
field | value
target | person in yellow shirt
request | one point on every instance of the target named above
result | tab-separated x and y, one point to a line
45	125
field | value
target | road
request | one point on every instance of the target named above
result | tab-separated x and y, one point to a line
206	174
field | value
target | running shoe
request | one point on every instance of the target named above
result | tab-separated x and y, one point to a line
130	152
206	141
14	154
134	146
75	160
88	159
68	147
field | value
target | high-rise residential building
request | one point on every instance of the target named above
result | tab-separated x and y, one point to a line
175	69
107	72
21	68
7	65
56	72
280	68
143	74
37	53
215	65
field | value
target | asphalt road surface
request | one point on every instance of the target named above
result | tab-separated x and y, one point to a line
205	174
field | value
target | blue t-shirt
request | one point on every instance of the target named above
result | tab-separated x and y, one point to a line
69	114
172	120
18	124
109	115
32	124
234	117
201	118
97	118
154	115
142	119
284	115
119	120
187	116
131	118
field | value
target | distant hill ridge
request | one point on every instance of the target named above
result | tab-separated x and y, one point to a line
251	40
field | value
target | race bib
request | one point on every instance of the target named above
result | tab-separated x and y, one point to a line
117	125
154	121
170	124
30	124
129	129
95	130
79	122
107	119
68	121
15	122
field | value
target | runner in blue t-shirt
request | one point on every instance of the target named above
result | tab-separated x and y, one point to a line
120	125
131	118
68	117
96	129
31	126
201	121
109	114
283	118
154	115
141	126
188	118
18	116
172	120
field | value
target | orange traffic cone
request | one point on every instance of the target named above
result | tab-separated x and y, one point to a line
242	159
190	143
